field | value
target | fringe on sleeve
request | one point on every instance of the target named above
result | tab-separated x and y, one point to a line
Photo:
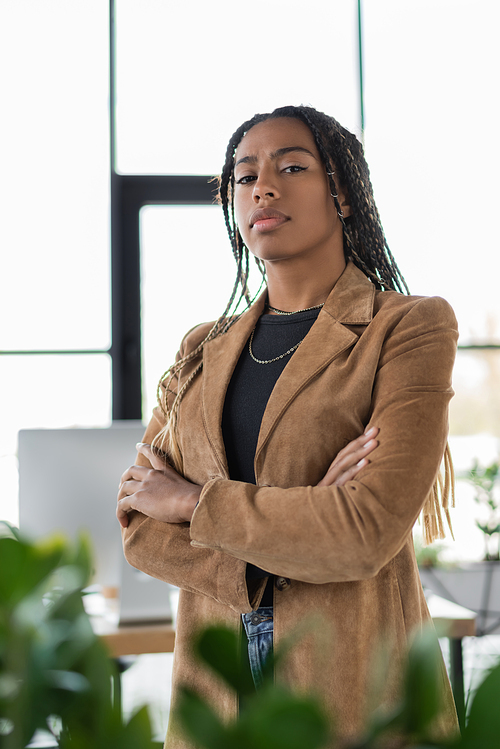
438	499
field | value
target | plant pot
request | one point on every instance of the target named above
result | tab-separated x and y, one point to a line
475	585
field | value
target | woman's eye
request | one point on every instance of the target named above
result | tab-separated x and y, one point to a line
294	169
246	179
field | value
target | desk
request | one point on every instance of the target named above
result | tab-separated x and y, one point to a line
126	639
135	639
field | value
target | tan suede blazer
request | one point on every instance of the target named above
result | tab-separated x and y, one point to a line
345	554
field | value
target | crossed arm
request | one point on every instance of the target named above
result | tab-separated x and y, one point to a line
359	514
161	493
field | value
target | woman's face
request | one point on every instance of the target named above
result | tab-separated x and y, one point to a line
282	197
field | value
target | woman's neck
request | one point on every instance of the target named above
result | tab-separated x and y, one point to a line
296	288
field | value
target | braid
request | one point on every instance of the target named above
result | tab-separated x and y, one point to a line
168	399
364	243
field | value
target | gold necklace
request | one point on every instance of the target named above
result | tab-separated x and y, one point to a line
280	311
290	350
281	356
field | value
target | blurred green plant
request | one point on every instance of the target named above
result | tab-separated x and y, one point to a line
270	718
486	482
55	674
275	718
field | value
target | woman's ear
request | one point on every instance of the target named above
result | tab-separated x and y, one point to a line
344	202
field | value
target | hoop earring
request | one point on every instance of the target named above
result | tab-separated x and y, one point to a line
340	213
330	174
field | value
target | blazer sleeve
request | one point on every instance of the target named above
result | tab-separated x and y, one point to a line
333	534
164	550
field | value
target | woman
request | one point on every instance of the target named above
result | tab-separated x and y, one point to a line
305	435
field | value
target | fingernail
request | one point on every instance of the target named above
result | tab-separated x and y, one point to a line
139	444
370	432
361	462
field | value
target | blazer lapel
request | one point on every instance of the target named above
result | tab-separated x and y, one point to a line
220	357
350	302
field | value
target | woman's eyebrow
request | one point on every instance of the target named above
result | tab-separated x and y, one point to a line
275	155
283	151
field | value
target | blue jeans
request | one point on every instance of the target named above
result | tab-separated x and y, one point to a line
259	631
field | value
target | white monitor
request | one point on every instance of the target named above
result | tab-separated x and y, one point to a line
68	481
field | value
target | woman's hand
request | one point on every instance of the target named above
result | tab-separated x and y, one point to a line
158	492
351	459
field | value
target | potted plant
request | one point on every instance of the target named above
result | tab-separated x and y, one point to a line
55	674
486	482
476	585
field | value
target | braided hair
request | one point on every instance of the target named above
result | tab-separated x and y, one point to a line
342	154
364	243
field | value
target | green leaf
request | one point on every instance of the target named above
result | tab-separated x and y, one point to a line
9	686
280	720
486	529
422	697
109	733
28	566
9	531
201	723
483	728
51	663
491	471
225	652
6	726
136	734
67	680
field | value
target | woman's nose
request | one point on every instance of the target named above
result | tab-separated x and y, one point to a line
264	187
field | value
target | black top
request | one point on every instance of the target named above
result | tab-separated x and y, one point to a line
249	390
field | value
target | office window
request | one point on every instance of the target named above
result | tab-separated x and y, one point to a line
434	160
189	73
434	157
54	231
187	273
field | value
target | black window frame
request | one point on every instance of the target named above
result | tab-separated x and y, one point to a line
130	193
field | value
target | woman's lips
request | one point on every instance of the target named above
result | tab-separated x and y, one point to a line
267	219
266	224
